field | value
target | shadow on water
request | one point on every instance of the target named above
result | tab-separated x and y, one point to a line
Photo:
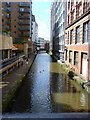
47	89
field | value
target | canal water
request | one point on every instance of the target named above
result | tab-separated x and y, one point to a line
47	89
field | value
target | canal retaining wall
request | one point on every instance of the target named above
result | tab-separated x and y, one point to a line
76	77
15	81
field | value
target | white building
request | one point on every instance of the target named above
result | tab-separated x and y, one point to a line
41	43
34	30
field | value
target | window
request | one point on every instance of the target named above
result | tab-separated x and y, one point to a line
8	3
2	14
68	5
76	58
8	15
14	31
2	20
15	26
66	55
21	3
8	27
21	9
70	57
68	19
85	32
2	9
71	36
68	38
8	9
73	15
15	9
72	2
80	10
78	34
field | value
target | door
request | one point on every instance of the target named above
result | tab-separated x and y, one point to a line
84	65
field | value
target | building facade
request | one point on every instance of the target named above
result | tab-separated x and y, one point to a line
77	37
16	20
34	33
58	28
34	30
7	49
52	33
41	43
0	17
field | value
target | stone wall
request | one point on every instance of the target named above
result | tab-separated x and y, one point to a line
6	42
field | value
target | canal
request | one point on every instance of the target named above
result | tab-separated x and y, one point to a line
47	89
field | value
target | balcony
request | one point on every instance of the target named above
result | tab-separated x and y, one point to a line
8	28
24	17
24	23
24	28
24	35
8	17
24	5
8	22
25	11
8	11
8	4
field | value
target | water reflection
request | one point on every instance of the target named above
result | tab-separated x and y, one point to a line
48	89
83	99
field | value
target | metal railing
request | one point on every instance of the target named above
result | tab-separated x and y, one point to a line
47	116
8	62
24	17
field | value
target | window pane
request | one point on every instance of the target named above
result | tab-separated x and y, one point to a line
78	34
85	32
76	58
70	57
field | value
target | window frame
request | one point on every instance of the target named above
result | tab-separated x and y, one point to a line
71	36
76	53
70	56
85	32
77	35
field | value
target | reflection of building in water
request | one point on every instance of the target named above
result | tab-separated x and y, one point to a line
82	99
69	87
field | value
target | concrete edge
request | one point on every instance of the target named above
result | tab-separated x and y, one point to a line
76	78
11	94
46	115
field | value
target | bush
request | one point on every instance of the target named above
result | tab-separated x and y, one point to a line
71	74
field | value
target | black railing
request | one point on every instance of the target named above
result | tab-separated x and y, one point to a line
26	11
24	35
8	4
24	17
23	28
24	5
8	22
24	23
8	62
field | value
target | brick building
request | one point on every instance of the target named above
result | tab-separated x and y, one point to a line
16	20
77	36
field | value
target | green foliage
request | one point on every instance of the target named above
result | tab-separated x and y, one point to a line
65	68
6	32
71	74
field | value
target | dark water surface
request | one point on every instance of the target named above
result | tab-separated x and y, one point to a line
47	89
